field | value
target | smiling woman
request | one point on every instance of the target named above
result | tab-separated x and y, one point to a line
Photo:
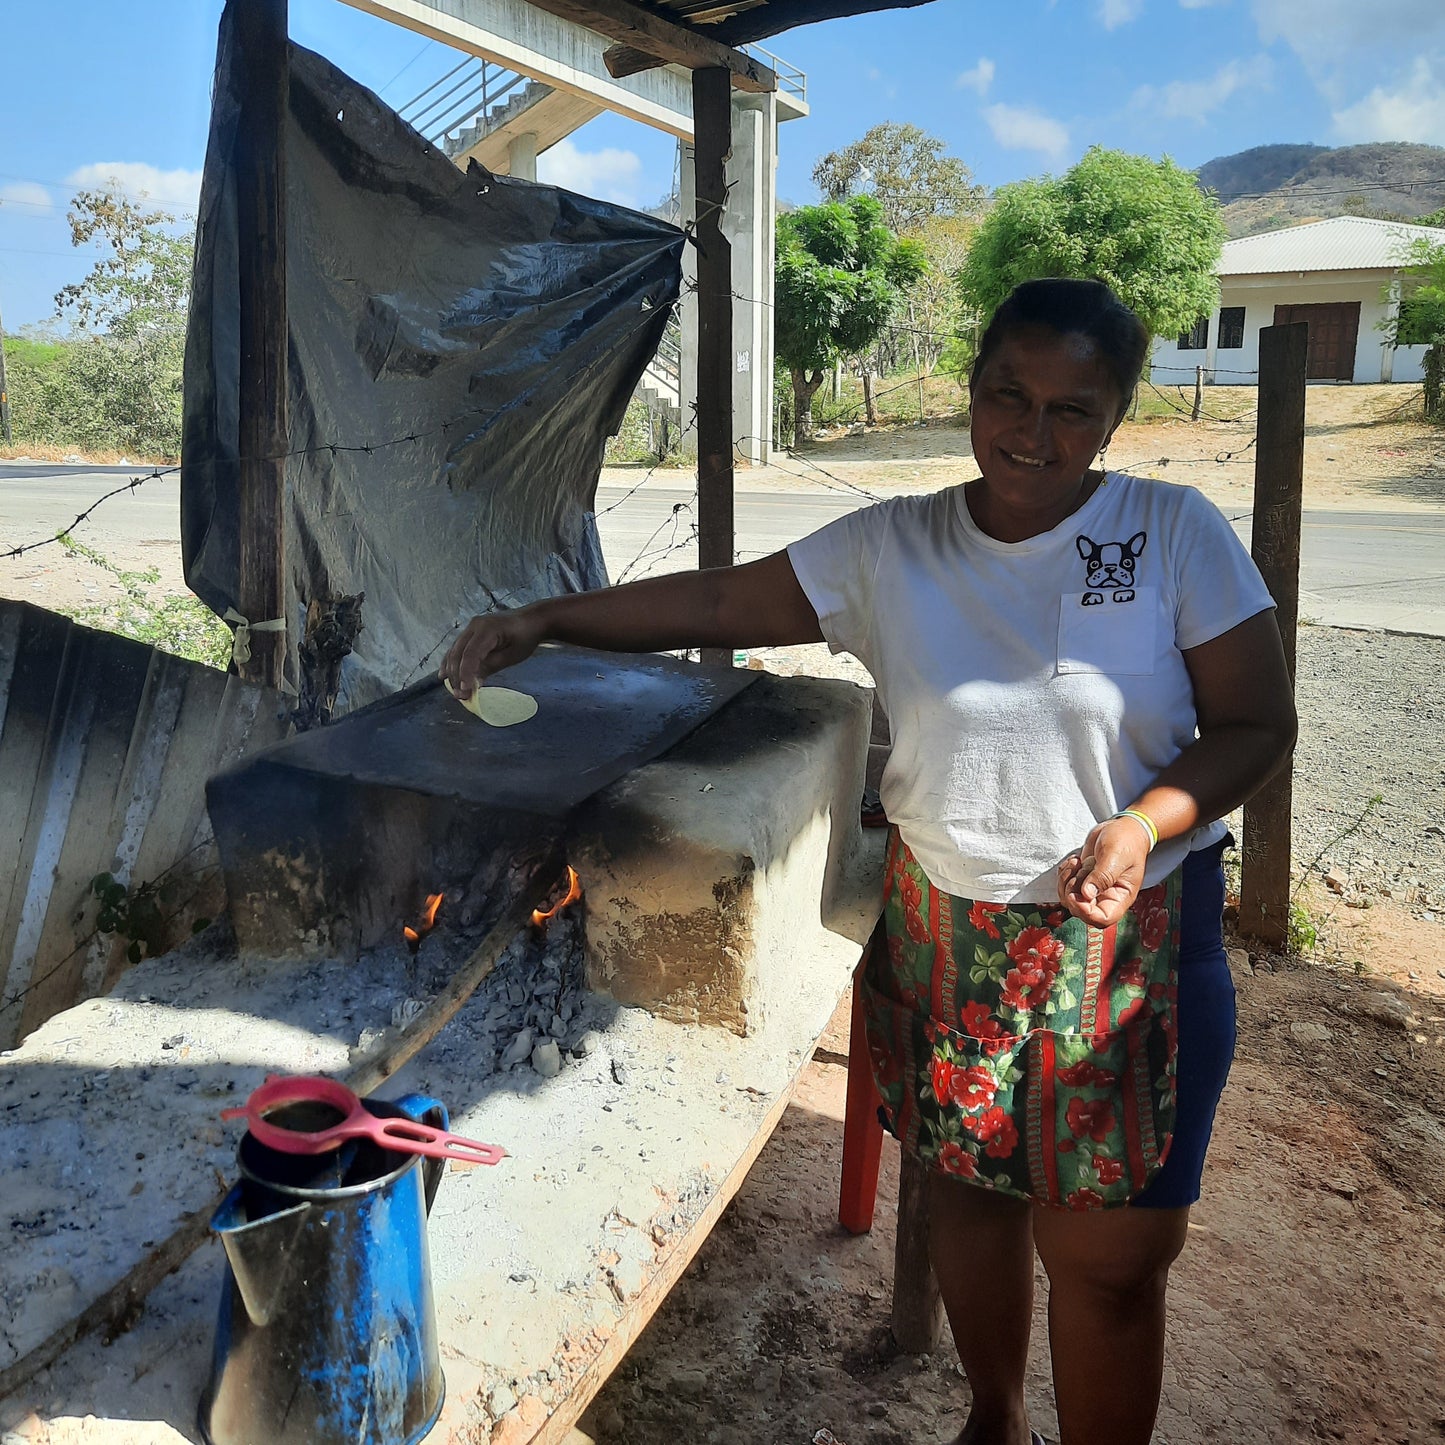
1076	665
1053	377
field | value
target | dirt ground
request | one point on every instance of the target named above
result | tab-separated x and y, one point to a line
1308	1306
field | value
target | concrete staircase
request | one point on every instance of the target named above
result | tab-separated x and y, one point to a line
477	110
538	110
660	390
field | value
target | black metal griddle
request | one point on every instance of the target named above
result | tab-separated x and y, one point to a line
599	715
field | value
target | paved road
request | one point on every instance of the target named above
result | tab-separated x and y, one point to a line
1360	569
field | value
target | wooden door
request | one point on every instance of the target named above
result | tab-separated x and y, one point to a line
1334	331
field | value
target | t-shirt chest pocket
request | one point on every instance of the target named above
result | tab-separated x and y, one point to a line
1111	632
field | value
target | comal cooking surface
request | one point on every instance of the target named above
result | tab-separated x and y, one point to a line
599	715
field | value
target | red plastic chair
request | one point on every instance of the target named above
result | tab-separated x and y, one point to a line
862	1131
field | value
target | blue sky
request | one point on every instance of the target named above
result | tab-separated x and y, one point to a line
91	89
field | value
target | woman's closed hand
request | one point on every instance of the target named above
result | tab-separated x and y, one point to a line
488	644
1101	880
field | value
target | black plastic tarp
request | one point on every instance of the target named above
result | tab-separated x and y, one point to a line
461	347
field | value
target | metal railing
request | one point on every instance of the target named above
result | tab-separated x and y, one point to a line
467	93
664	371
790	78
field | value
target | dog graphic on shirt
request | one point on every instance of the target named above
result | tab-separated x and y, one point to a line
1109	566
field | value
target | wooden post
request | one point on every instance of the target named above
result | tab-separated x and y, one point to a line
261	57
1278	504
4	394
1198	392
712	115
917	1304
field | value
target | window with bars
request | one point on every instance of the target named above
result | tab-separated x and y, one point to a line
1231	328
1196	339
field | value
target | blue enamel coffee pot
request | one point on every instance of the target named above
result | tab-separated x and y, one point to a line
327	1334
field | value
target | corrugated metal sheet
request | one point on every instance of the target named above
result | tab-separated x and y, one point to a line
1344	243
105	748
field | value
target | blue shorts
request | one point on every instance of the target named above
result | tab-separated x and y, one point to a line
1206	1031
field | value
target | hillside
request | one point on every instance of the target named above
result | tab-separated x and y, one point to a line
1281	185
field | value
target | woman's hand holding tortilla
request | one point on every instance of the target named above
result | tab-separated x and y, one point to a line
487	644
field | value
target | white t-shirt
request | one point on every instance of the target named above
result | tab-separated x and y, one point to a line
1032	688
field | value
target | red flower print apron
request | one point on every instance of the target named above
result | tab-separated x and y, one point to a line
1018	1048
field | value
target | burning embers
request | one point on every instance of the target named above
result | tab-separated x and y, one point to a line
574	892
540	917
427	922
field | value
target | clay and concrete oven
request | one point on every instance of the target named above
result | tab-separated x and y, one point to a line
712	815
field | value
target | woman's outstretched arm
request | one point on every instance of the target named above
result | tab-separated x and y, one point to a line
760	604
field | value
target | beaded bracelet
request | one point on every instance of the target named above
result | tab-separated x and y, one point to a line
1144	821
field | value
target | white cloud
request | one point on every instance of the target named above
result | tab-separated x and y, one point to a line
978	77
1195	99
882	83
170	190
1380	65
608	175
1020	128
1114	13
30	195
1329	33
1412	109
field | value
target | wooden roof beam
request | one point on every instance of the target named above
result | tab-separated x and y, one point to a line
753	22
656	41
772	19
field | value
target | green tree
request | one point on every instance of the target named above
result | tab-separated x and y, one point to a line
840	271
1143	226
1421	317
906	171
122	381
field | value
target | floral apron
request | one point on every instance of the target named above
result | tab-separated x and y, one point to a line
1018	1048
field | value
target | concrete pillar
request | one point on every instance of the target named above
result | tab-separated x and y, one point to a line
522	157
750	224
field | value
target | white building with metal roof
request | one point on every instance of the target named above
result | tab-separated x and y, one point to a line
1342	276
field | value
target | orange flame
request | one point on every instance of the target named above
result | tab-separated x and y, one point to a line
574	892
428	920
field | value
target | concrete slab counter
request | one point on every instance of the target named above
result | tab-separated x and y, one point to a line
546	1267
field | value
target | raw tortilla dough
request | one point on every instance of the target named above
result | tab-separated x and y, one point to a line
501	707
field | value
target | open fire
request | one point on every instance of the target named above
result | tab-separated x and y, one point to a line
574	892
427	921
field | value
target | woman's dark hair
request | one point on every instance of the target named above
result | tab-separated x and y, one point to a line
1084	308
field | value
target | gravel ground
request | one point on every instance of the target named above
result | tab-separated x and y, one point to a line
1372	724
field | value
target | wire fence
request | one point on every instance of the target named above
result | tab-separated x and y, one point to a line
678	530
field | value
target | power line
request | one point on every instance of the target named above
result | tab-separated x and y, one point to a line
1408	187
425	46
334	448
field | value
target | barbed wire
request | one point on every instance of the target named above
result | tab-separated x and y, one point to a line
1185	408
130	486
672	545
334	448
1212	370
